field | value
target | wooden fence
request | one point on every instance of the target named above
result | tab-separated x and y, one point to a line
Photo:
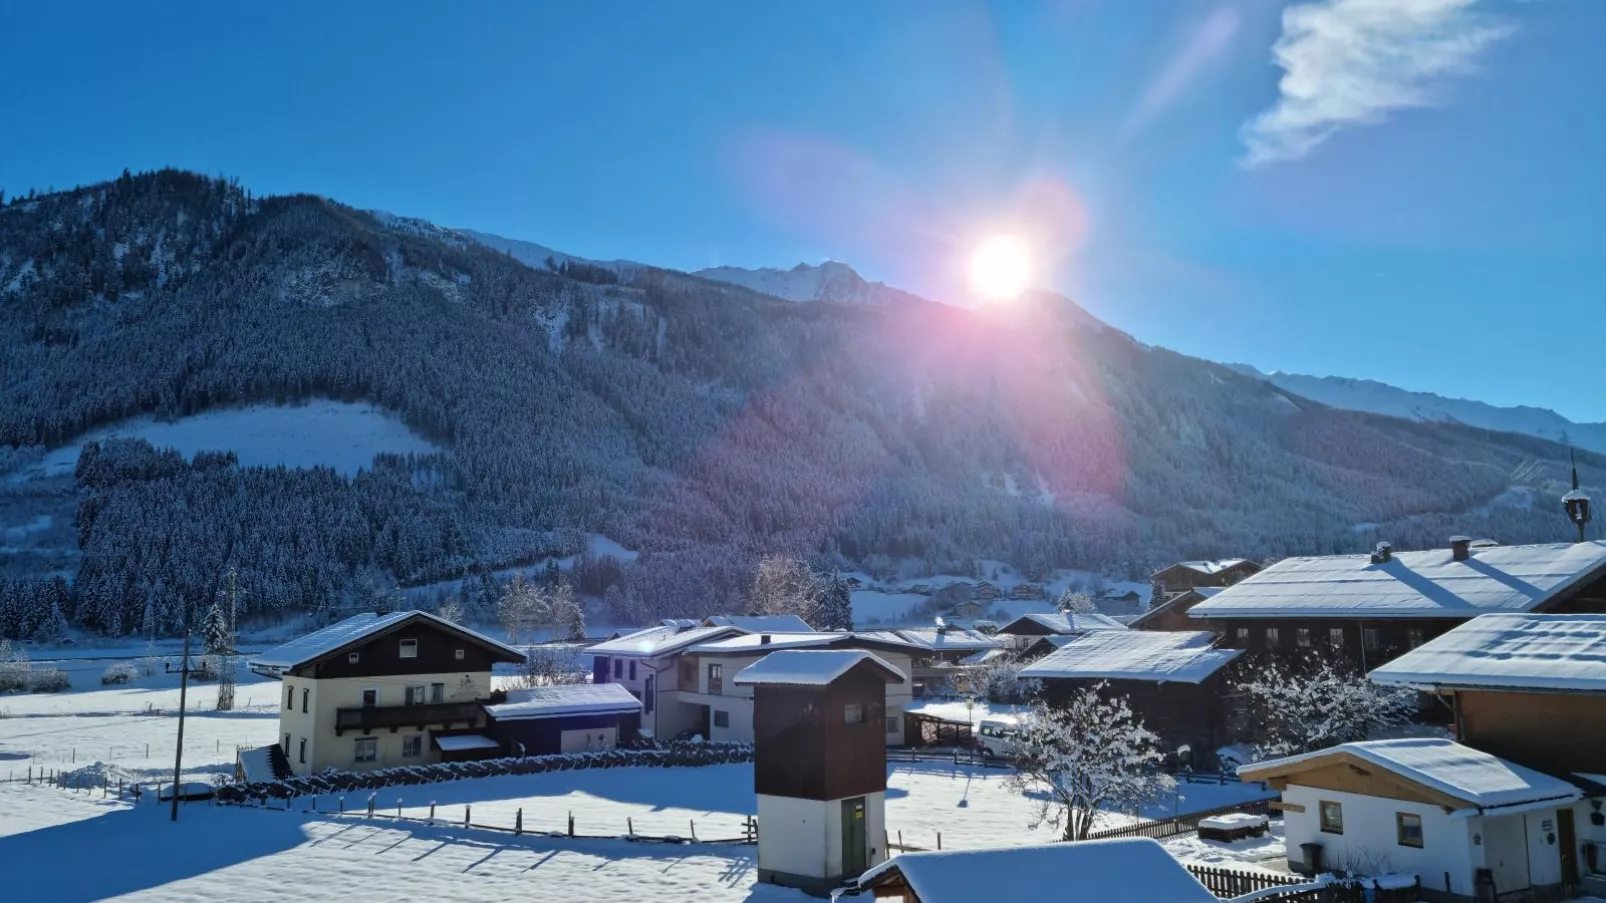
1179	825
1229	883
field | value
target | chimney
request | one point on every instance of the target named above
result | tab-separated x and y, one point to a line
763	639
1460	547
1383	554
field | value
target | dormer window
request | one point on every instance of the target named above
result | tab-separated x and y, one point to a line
352	658
409	649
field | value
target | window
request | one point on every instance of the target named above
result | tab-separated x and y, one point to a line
716	679
304	694
1408	826
409	649
894	718
1332	817
1413	637
632	669
1372	639
853	713
688	672
301	756
1273	638
351	659
1335	636
437	692
286	746
458	654
370	698
1243	637
618	668
415	695
412	746
722	719
289	696
1302	637
366	750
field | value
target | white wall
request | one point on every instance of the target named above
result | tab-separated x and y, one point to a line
1589	833
1544	847
327	750
1370	837
804	837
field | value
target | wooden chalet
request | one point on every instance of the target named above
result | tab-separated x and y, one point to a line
1185	575
1172	614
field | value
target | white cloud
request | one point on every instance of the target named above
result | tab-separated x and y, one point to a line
1350	62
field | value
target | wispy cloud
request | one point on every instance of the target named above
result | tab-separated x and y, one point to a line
1349	63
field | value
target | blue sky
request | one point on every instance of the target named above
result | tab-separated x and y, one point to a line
1422	202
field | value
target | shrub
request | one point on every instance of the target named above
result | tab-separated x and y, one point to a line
49	680
119	673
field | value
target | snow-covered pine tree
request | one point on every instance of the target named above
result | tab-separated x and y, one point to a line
451	609
1076	603
1088	755
53	629
835	604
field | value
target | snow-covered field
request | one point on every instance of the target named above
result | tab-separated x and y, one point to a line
320	433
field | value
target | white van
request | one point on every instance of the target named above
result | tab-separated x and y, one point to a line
996	738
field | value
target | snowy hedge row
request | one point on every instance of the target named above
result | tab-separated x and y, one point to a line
674	754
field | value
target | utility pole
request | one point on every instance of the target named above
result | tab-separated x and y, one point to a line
183	672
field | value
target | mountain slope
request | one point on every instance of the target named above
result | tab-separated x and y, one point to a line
1382	398
700	423
829	281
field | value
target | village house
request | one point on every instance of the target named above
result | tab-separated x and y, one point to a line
1175	682
1129	870
1028	628
1172	581
940	653
562	718
1368	609
381	689
1471	826
1172	614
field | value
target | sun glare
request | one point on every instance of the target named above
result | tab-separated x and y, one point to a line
1000	267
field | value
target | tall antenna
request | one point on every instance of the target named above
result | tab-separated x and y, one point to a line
1576	502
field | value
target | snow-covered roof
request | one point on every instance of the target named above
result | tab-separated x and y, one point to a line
357	628
761	623
564	699
1521	651
459	742
1211	567
1476	778
1427	584
983	657
756	642
1180	600
810	667
653	641
1163	656
1132	870
949	638
1068	622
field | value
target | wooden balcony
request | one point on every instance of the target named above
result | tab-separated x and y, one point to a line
369	718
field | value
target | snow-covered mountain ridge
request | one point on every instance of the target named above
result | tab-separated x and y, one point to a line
1427	407
829	281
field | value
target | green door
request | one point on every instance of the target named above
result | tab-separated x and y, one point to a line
855	851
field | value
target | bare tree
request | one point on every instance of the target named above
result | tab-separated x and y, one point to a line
1086	756
1289	710
783	585
1076	603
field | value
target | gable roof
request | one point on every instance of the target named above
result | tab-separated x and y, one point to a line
564	699
1065	622
1209	568
811	667
1180	602
1469	776
950	638
1520	651
1132	870
1426	584
653	641
761	623
749	643
1162	656
359	629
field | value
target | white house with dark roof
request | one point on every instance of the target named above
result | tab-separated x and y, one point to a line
380	689
1371	608
1465	822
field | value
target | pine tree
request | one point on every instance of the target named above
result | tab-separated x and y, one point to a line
836	604
53	629
215	631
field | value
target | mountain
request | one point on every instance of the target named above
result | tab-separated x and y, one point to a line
697	423
1382	398
829	281
533	255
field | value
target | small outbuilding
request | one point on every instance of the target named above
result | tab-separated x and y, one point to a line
560	718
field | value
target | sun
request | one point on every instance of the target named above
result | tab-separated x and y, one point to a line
1000	267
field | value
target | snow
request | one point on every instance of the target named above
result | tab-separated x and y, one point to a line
830	281
1421	584
1212	567
959	711
953	638
1162	656
535	256
1232	821
1522	651
877	607
563	699
256	765
1478	778
1068	622
1132	870
762	623
652	641
459	742
811	667
354	629
755	642
1266	853
321	433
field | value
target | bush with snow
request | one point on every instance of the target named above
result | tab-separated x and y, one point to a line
13	667
49	680
119	673
1287	709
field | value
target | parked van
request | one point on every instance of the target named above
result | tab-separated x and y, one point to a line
996	738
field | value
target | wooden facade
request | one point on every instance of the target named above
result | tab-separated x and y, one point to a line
804	745
1179	578
542	736
439	650
1194	715
1559	733
1170	614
